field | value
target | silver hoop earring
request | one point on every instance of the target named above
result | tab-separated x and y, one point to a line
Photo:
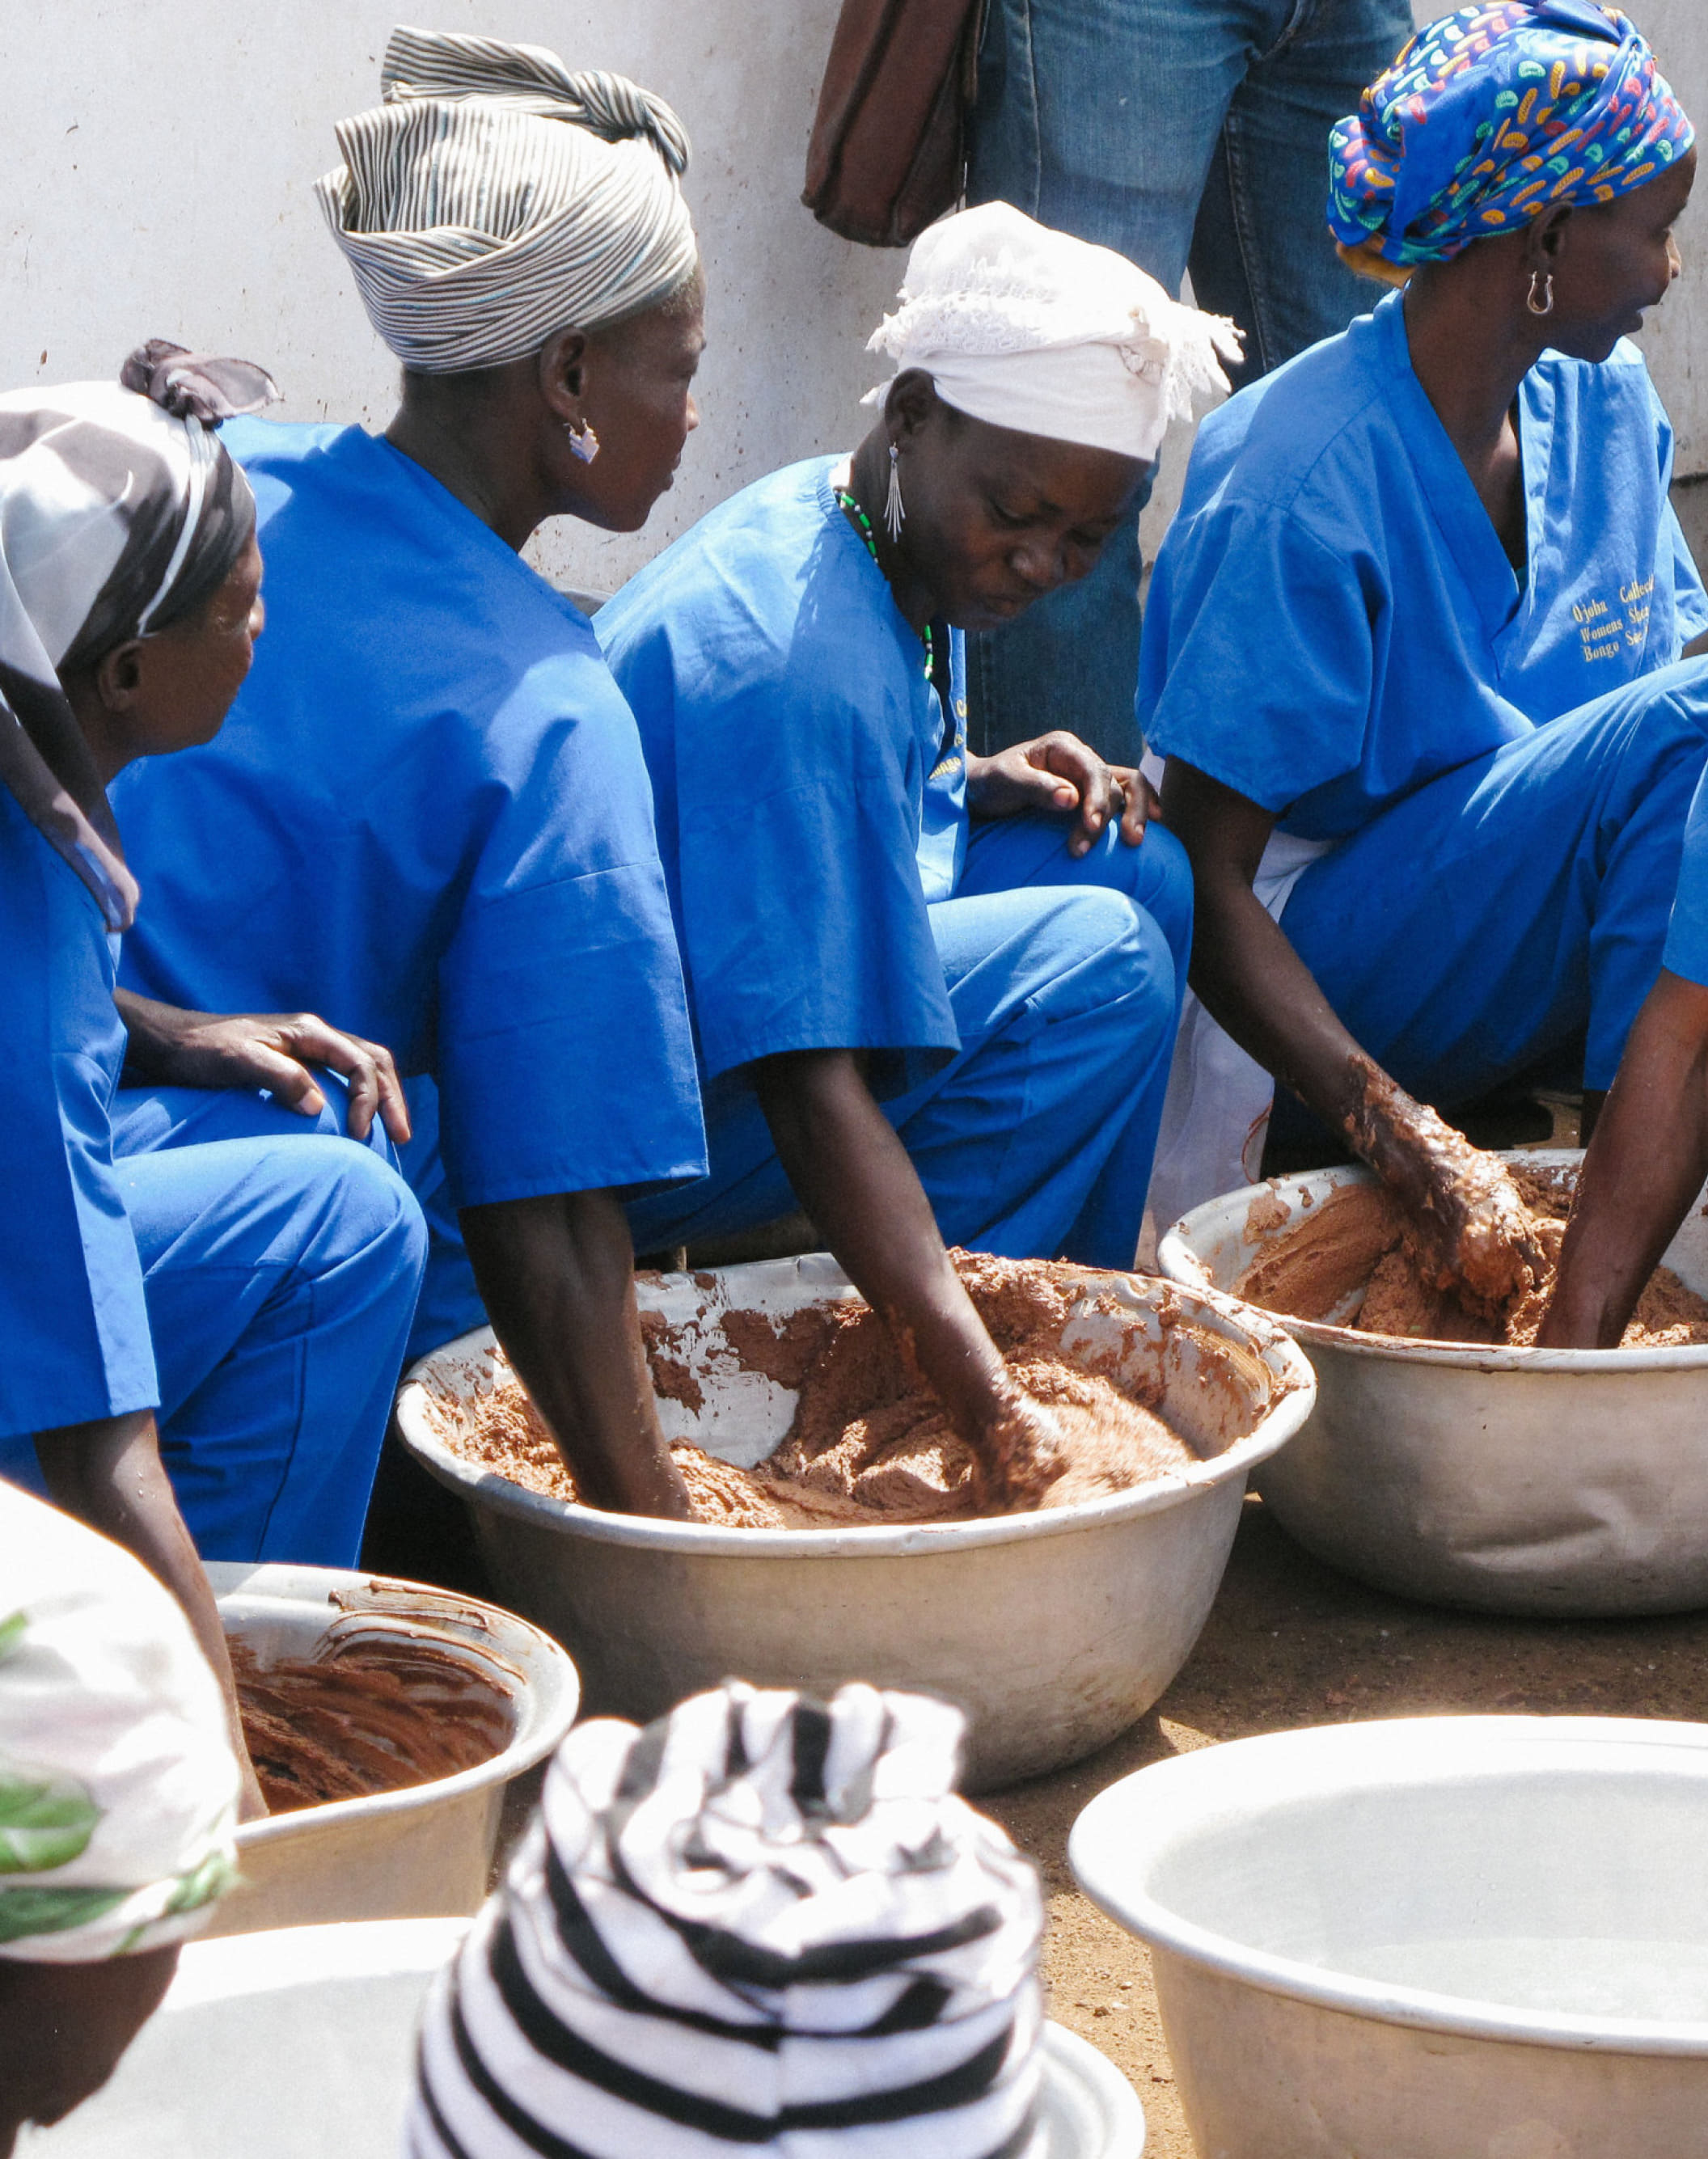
1546	282
583	441
894	515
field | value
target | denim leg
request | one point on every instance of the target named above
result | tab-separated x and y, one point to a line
1261	250
1100	117
1106	118
1500	910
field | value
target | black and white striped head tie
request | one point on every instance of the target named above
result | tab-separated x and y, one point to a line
496	197
761	1928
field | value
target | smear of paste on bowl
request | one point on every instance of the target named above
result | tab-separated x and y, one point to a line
366	1715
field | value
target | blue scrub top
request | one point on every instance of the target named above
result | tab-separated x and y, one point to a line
428	819
810	795
73	1321
1333	620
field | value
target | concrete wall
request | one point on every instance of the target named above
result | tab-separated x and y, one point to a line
157	183
159	161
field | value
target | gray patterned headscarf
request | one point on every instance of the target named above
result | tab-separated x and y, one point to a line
764	1925
119	512
496	197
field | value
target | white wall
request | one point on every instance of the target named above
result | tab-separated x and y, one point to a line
157	182
157	172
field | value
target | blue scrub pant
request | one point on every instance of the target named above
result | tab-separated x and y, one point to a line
280	1266
1065	978
1517	902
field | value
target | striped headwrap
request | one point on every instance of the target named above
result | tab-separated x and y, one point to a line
495	198
762	1927
118	1787
118	512
1493	114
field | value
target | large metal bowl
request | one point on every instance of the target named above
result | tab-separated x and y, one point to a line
1054	1630
1439	1938
301	2044
1564	1482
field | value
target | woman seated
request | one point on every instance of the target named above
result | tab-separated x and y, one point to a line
253	1291
428	817
1412	646
935	995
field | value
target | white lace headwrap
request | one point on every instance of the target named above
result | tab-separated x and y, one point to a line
495	198
1031	329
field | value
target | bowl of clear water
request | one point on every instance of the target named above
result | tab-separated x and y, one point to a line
1434	1938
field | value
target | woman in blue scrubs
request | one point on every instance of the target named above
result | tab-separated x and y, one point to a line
200	1342
935	995
1413	643
431	759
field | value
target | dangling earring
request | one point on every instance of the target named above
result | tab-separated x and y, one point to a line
893	513
583	441
1546	282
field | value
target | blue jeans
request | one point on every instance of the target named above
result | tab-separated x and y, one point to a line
1185	133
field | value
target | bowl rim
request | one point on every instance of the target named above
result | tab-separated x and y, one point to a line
1292	1400
1177	1261
1150	1803
237	1581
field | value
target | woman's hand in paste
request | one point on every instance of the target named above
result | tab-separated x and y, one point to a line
1059	773
1462	1201
171	1047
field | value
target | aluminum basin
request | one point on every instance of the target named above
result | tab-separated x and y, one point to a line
1054	1630
301	2045
427	1849
1437	1937
1564	1482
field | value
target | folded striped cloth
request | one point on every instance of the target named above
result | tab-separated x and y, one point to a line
761	1926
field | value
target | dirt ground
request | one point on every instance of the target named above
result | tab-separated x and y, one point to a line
1292	1643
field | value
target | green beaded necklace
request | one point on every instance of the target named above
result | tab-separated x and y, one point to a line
870	537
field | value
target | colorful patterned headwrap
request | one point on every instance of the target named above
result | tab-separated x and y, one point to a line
1493	114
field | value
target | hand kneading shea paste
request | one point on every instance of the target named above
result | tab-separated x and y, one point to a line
1358	1238
870	1444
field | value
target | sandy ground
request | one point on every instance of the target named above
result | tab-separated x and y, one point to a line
1292	1643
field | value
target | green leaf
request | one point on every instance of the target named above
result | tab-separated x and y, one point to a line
44	1822
24	1911
13	1628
